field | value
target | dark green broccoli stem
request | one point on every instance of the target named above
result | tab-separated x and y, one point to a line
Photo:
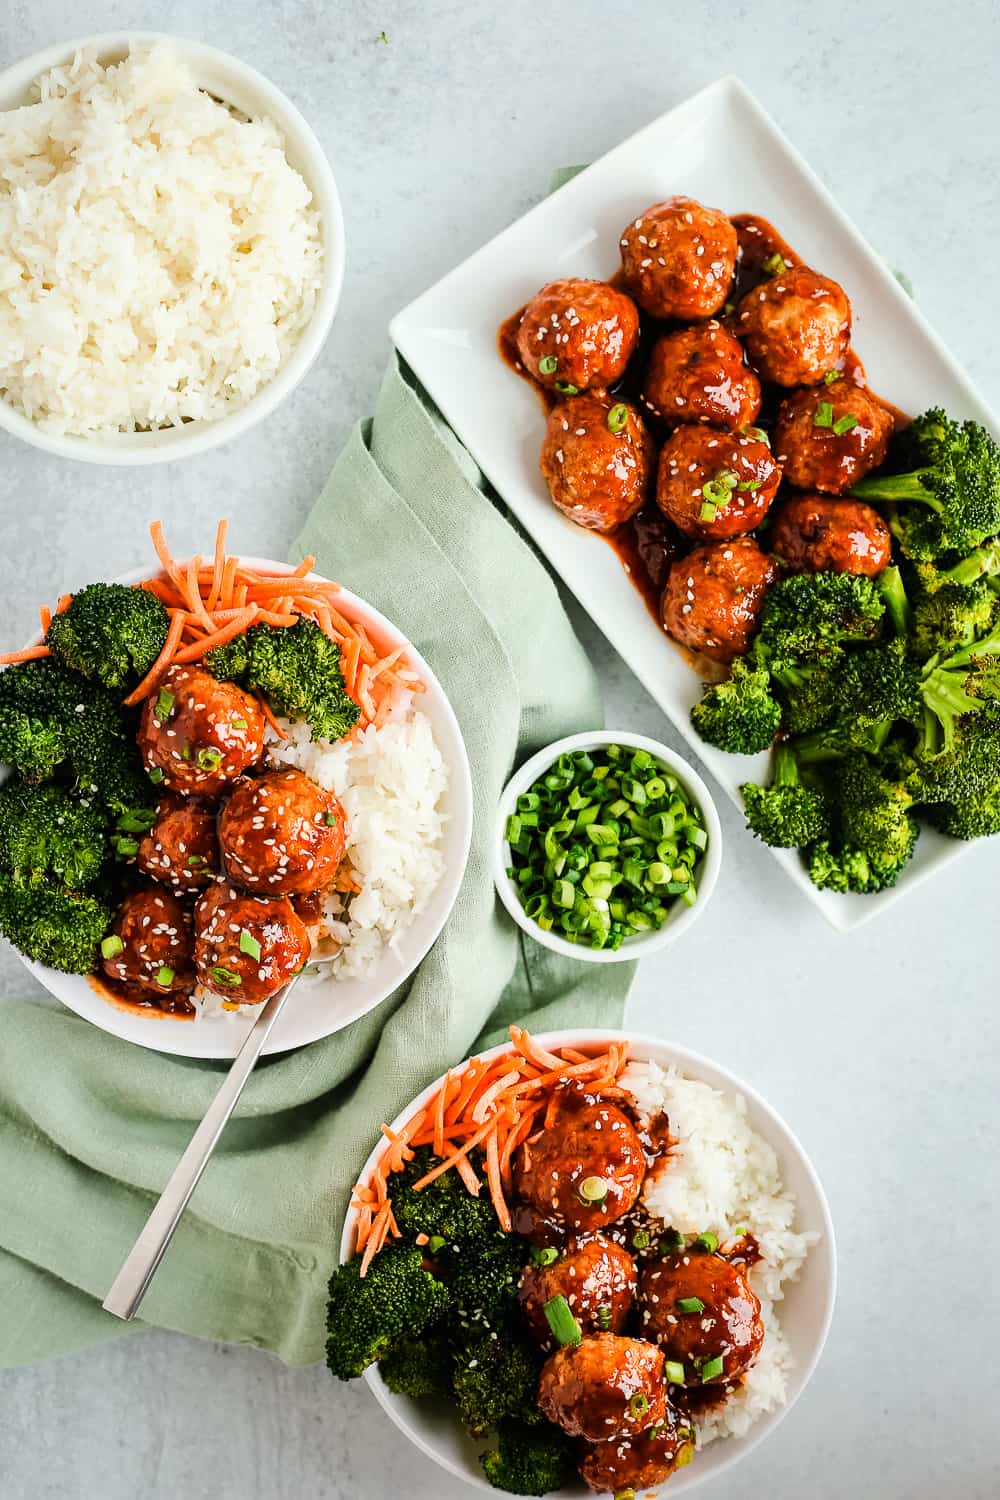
897	605
951	689
899	488
983	563
828	745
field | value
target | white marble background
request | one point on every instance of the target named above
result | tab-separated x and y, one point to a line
880	1048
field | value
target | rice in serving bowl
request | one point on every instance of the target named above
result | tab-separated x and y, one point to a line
159	256
392	780
723	1176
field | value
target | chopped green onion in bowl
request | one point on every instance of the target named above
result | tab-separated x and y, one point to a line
606	843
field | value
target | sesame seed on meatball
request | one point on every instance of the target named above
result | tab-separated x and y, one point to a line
678	259
597	459
577	332
796	325
699	375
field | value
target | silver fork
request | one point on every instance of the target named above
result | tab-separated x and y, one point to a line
140	1266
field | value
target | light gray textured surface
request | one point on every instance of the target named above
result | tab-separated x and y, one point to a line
881	1048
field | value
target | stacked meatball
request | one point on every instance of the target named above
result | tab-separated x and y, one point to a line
699	394
233	846
685	1317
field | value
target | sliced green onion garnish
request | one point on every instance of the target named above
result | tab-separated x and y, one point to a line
112	946
638	1404
671	1242
707	511
194	860
707	1241
775	264
831	377
690	1305
164	703
640	1240
845	423
155	775
209	758
548	364
565	389
628	1493
240	724
823	415
126	847
435	1243
593	1190
559	1316
674	1371
165	976
544	1255
225	977
330	819
711	1368
140	820
618	417
603	1318
249	945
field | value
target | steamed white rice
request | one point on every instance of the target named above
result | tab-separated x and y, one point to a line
392	782
723	1176
159	257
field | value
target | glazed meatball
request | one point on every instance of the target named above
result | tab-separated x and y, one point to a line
246	947
714	596
198	734
678	259
797	326
282	834
596	1276
727	1325
578	332
181	849
813	453
814	534
597	460
714	484
603	1387
154	931
586	1170
638	1461
699	375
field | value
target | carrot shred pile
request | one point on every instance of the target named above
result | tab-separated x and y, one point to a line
495	1106
210	602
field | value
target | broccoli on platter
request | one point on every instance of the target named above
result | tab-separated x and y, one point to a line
874	689
529	1460
951	617
945	484
296	668
110	633
740	714
786	814
811	616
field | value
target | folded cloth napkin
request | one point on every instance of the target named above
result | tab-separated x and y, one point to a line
90	1126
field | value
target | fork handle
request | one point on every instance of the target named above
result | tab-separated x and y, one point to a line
129	1286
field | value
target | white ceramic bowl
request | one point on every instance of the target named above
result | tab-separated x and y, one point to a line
681	917
806	1310
315	1011
250	93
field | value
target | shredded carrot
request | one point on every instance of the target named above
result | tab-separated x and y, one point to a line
240	622
497	1106
65	600
269	716
44	617
162	662
219	567
30	653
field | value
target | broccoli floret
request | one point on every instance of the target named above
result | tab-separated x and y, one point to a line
961	772
366	1316
39	702
529	1460
418	1367
982	563
952	617
970	818
810	616
495	1376
444	1209
876	832
44	832
109	773
809	691
52	924
946	475
875	688
110	633
957	685
296	668
484	1284
786	814
741	714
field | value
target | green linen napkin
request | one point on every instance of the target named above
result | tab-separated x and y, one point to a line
90	1127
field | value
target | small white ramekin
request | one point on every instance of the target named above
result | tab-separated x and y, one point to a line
706	871
251	94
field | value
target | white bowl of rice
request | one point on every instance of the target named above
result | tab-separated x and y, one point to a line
406	786
171	248
735	1166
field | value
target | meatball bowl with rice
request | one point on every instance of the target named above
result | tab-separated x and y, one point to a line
222	775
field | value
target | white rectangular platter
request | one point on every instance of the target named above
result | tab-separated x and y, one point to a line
723	149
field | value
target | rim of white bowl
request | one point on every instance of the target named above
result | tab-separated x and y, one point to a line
695	1065
681	918
211	66
460	788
